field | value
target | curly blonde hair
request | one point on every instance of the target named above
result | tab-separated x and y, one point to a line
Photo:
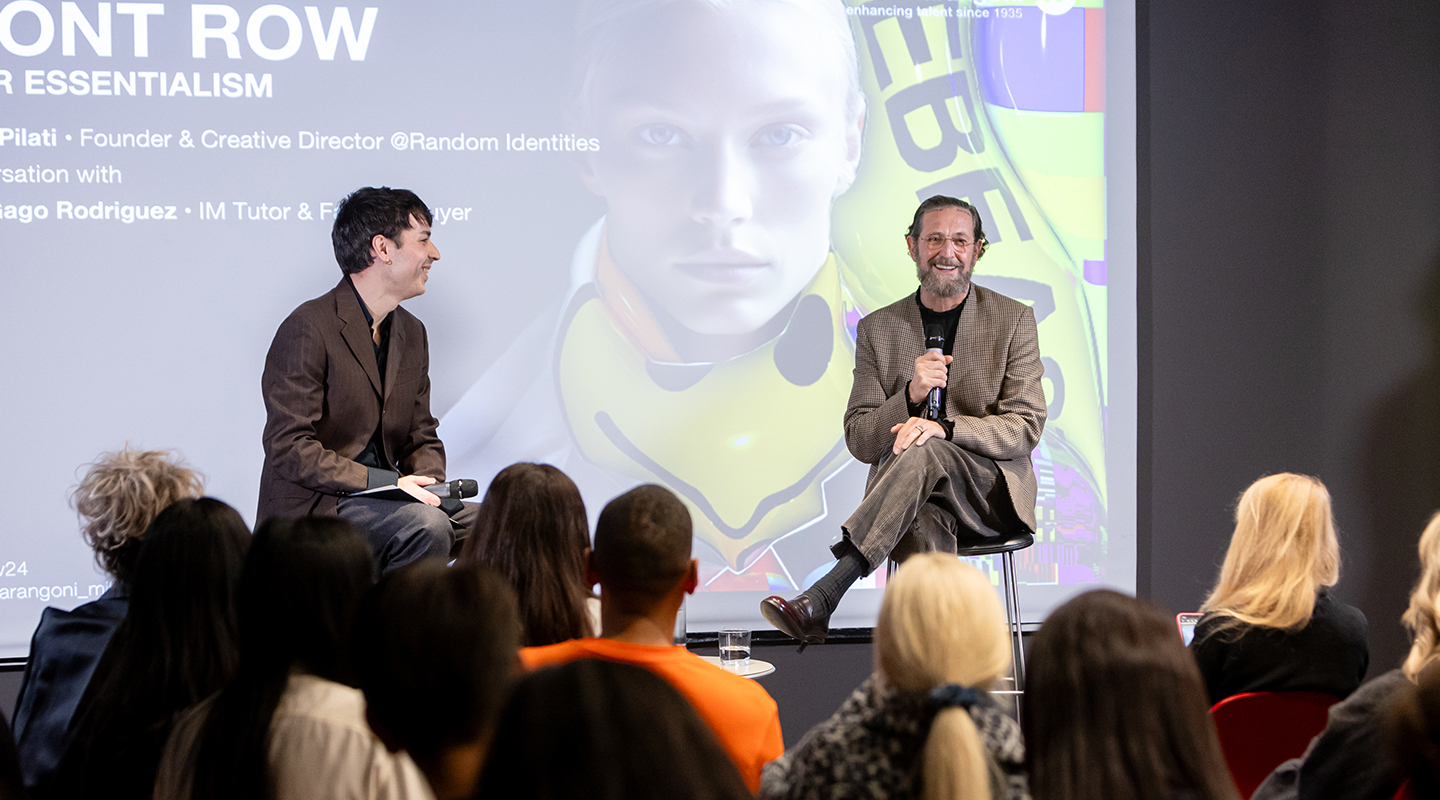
121	494
1422	618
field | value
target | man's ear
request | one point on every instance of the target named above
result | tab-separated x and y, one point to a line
912	246
381	248
385	737
692	577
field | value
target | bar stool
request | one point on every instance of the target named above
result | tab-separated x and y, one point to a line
1009	587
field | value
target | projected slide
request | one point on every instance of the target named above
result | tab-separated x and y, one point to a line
660	222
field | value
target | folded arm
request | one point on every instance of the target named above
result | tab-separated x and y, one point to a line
870	414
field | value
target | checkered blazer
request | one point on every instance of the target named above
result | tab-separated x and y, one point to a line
993	397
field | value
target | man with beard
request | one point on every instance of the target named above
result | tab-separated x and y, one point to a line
939	473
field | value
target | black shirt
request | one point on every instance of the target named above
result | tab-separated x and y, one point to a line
1328	655
373	455
949	322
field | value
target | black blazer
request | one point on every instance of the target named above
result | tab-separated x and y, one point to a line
323	401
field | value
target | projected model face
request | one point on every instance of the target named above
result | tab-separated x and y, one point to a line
725	138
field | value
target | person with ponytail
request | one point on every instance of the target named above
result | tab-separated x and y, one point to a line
924	724
289	725
1271	624
1353	756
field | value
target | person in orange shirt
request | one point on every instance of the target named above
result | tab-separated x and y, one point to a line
642	562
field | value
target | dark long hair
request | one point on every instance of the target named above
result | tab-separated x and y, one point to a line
435	651
299	590
176	646
603	730
532	529
1115	708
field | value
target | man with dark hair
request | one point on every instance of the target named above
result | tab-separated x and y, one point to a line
434	649
957	466
642	562
347	390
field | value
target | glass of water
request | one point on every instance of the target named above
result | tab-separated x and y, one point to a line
734	648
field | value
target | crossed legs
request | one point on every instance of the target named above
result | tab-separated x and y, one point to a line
919	501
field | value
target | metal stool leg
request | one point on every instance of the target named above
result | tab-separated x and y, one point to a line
1012	614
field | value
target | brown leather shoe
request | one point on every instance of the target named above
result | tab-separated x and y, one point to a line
796	618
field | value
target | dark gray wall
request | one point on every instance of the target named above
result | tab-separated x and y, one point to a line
1293	286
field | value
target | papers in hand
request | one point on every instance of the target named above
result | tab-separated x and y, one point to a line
391	492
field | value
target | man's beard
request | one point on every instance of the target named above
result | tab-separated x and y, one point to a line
940	286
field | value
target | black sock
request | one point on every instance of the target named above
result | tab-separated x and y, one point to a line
826	593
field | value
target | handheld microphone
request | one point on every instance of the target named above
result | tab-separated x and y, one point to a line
455	489
934	343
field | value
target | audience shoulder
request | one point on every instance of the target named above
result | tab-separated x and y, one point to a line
743	690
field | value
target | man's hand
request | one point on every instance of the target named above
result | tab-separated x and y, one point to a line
930	373
412	483
915	431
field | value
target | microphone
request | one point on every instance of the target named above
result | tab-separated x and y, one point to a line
454	490
934	343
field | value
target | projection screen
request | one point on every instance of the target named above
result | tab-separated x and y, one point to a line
660	222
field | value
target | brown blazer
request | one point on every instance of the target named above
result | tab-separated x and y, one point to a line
323	401
994	395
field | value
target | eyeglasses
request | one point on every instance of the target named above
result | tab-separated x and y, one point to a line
936	242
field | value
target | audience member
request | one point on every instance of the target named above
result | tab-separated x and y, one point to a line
598	729
924	725
532	529
116	501
1115	708
1415	733
176	647
1271	624
12	784
287	726
435	651
642	562
1352	757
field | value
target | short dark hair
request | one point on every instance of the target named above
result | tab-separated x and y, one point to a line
593	728
941	201
1109	674
371	212
642	542
435	649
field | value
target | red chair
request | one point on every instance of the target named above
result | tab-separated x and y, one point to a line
1261	730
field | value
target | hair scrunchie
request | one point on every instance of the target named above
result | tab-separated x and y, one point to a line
953	695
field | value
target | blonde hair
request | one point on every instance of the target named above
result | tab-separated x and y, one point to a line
941	623
1282	553
1422	618
121	494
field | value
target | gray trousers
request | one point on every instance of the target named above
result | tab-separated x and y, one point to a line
401	531
928	498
